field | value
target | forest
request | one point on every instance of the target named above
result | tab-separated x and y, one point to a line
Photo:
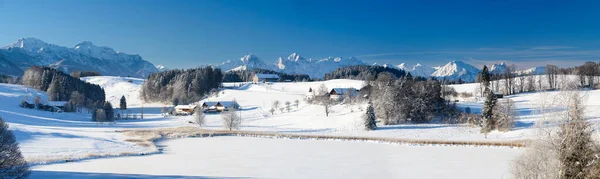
181	86
61	87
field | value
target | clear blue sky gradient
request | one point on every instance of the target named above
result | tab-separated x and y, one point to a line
184	34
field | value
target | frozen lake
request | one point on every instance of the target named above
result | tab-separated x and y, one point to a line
246	157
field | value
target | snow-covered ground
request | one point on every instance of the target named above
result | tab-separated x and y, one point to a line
246	157
46	136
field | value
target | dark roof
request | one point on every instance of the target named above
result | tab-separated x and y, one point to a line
342	91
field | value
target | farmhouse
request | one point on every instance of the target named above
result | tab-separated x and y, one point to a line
219	106
340	93
184	109
58	106
263	78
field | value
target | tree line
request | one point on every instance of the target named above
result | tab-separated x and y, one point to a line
63	87
181	86
362	72
512	81
248	75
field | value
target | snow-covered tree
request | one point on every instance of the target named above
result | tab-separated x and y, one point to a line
54	90
369	118
12	163
488	112
199	117
231	120
100	116
504	114
288	106
272	111
276	104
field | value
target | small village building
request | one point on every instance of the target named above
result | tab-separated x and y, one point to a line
57	106
341	93
219	106
264	78
184	109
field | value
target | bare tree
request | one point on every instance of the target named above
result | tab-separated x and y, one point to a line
100	116
567	152
296	103
551	74
288	106
78	100
231	120
272	110
504	114
322	90
163	111
12	163
200	118
276	104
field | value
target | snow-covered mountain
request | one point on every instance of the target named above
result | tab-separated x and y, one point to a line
293	64
84	56
456	70
421	70
498	68
249	61
161	68
534	71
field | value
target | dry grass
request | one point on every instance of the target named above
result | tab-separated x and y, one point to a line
148	136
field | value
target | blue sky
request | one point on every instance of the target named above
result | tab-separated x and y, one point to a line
184	34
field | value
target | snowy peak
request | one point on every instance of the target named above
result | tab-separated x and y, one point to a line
456	70
295	57
293	64
422	70
250	58
534	71
28	43
498	68
31	45
161	68
85	56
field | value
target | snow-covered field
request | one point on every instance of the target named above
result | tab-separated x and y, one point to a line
48	137
246	157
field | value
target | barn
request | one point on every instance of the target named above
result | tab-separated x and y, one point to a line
263	78
184	109
219	106
340	93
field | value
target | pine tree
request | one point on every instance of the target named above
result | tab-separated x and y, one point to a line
487	112
12	163
123	103
109	111
369	118
484	77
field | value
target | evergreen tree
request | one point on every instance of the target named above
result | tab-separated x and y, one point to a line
123	103
485	78
369	118
487	112
12	163
109	112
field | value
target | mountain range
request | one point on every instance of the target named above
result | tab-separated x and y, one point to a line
293	64
85	56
